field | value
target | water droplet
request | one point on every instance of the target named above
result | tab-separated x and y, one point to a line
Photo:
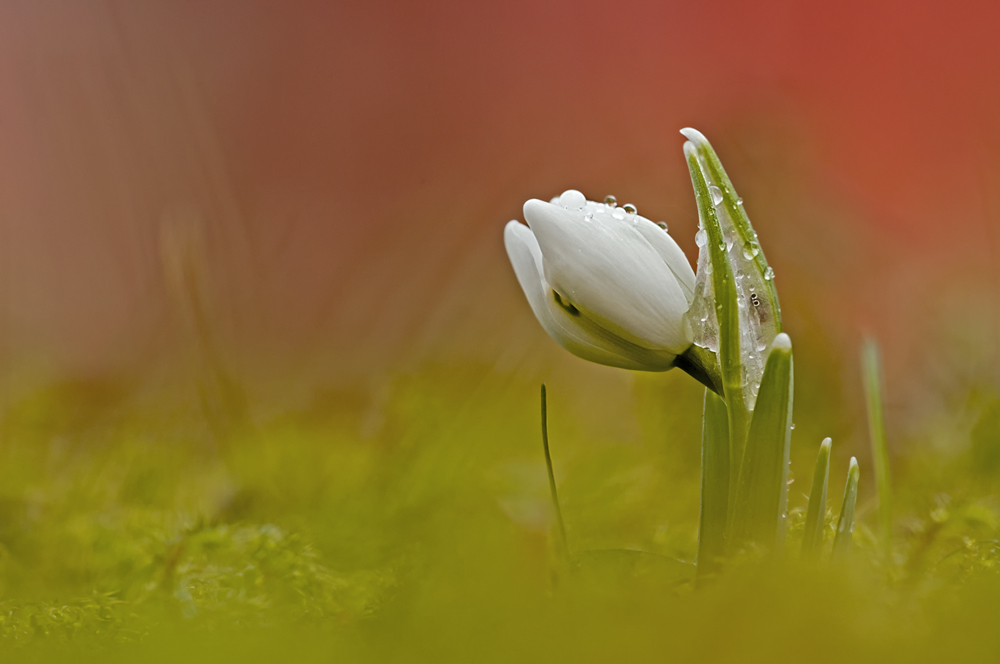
701	238
716	194
629	208
572	199
769	274
793	426
610	200
748	251
739	201
761	345
617	213
663	225
729	244
589	216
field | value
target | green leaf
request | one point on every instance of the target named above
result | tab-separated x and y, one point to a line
726	310
733	205
813	535
845	523
714	484
762	490
872	369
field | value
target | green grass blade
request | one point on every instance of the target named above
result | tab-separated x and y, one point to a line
563	541
726	311
762	490
845	523
812	537
714	484
872	368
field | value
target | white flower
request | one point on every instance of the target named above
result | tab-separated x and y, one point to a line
607	285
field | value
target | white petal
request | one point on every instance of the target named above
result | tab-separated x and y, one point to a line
580	336
606	268
671	254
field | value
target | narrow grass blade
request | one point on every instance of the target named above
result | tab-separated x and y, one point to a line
812	537
724	300
872	367
845	523
762	490
563	541
714	484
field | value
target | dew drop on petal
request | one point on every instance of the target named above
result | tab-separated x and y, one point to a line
769	273
663	225
716	194
793	426
610	200
617	213
629	208
701	238
572	199
747	251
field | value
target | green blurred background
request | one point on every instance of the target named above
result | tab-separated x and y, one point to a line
265	362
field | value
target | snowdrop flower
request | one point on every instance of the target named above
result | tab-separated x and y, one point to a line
607	285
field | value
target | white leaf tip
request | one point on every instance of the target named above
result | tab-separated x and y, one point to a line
694	135
782	342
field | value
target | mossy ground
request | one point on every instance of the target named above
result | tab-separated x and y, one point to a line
131	534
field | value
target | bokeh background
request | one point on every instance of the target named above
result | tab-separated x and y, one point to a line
254	303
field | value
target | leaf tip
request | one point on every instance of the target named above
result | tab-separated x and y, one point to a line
694	136
782	342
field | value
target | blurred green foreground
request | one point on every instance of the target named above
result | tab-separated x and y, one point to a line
419	528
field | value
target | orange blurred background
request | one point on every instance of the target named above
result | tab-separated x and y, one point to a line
347	169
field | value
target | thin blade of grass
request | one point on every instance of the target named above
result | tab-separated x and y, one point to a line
812	537
563	541
714	484
762	490
872	369
845	523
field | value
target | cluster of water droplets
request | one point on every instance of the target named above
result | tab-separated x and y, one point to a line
571	199
756	317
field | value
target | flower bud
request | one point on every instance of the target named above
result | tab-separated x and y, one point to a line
607	285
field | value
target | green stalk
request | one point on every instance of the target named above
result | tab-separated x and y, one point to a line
714	485
872	368
845	523
812	537
726	311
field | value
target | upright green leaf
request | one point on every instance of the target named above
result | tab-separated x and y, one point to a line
812	537
872	366
845	523
726	310
733	205
714	484
762	490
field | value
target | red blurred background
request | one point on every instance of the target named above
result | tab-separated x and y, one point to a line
349	168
